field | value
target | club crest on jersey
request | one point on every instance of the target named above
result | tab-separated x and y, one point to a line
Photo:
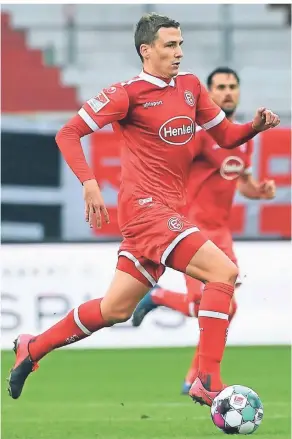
111	90
97	103
189	98
175	224
231	167
177	131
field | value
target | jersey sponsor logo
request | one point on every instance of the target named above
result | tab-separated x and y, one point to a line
178	130
152	104
231	167
100	101
189	98
175	224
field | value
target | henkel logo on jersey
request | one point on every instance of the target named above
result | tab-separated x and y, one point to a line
178	130
231	167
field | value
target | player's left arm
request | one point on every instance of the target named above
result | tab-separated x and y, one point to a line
225	133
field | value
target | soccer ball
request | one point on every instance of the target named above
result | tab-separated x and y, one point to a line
237	410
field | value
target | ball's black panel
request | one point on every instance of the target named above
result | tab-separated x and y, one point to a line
223	407
231	430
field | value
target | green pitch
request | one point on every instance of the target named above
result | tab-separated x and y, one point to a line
135	394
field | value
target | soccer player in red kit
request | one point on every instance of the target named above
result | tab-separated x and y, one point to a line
214	176
155	115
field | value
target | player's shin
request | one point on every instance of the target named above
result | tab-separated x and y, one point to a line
213	322
79	323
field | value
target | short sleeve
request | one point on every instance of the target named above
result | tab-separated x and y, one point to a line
110	105
208	114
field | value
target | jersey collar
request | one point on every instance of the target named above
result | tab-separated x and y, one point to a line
156	81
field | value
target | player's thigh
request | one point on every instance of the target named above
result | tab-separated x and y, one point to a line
122	296
210	264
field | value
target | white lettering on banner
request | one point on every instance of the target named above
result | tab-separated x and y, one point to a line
41	283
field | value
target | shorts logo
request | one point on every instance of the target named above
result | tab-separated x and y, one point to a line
100	101
143	201
231	167
175	224
189	98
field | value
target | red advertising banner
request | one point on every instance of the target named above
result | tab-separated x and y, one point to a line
250	219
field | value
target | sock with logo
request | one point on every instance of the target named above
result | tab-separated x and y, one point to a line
79	323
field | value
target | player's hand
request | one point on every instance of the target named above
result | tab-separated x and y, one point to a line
267	189
265	119
94	205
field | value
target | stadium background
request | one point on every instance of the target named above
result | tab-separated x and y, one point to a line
54	57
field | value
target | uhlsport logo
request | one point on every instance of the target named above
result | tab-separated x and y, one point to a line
231	167
175	224
177	131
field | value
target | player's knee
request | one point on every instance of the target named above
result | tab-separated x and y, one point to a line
225	273
231	273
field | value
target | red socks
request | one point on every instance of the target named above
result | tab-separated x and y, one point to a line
178	302
78	324
194	367
213	322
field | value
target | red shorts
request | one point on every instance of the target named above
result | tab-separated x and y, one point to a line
223	239
156	237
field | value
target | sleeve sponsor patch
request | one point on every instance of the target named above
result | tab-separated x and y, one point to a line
98	102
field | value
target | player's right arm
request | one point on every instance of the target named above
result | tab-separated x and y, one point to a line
225	133
108	106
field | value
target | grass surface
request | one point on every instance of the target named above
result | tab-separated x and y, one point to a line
135	394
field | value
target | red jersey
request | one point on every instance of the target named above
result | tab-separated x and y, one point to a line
156	122
213	180
157	130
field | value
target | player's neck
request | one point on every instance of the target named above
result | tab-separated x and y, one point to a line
156	75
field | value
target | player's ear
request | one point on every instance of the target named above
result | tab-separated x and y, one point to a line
145	51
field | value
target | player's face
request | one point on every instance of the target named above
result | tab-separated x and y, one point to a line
224	91
163	57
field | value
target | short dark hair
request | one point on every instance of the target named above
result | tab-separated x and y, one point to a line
226	70
148	26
